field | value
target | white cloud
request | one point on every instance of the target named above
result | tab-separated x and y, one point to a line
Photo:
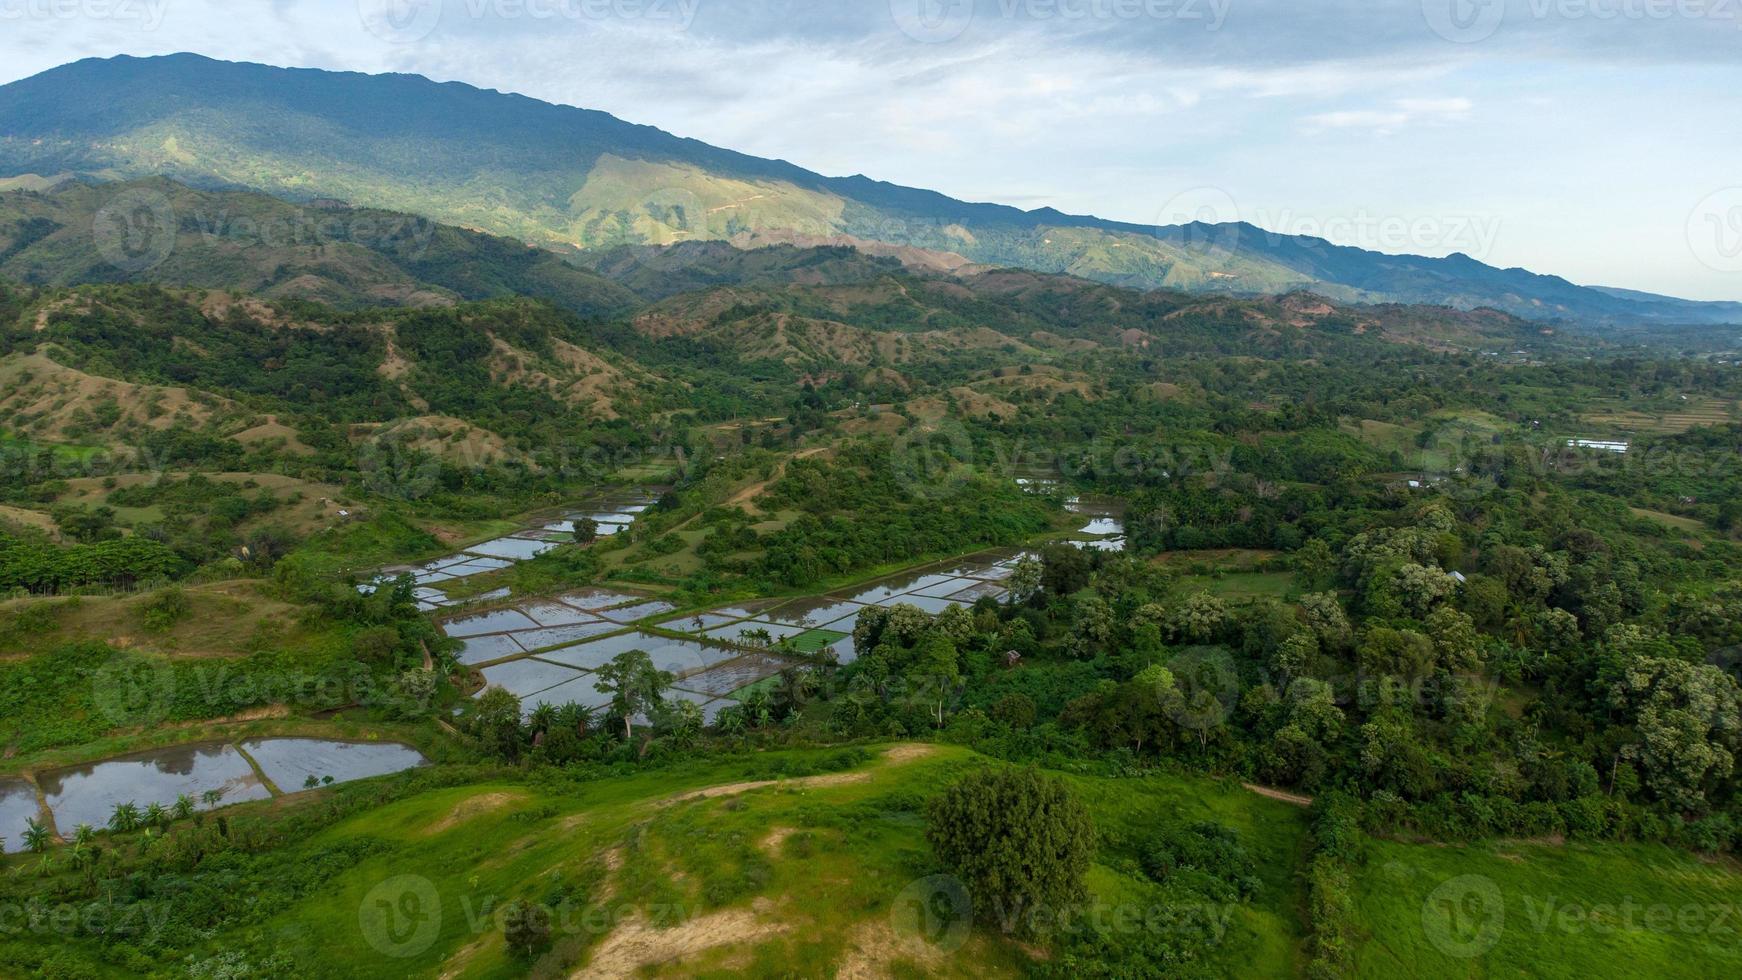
1387	121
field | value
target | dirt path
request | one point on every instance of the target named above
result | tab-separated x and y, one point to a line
805	782
894	756
1276	794
636	944
743	497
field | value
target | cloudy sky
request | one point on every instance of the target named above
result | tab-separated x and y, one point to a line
1596	139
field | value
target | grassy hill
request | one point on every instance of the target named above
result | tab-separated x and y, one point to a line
576	179
778	863
160	231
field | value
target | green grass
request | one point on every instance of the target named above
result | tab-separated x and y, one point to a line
1672	520
792	876
1515	909
1385	436
1239	585
63	452
811	641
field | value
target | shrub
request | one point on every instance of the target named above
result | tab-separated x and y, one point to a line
1021	843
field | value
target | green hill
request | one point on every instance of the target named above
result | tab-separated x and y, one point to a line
160	231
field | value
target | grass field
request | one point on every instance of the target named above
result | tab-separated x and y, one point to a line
1239	585
224	619
1673	520
1385	436
1538	909
63	452
1664	417
791	863
811	641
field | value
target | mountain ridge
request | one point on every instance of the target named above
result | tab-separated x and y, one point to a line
575	179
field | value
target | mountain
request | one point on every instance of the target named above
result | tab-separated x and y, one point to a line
156	230
573	179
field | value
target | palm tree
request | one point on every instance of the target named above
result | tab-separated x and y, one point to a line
84	834
543	718
36	836
125	818
184	807
156	816
211	797
93	861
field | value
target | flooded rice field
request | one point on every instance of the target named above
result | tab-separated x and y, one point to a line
545	651
17	805
543	624
1106	527
610	514
89	794
566	676
290	762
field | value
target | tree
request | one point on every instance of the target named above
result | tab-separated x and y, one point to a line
635	685
1021	843
36	836
1091	626
1200	619
87	526
684	722
376	644
1065	569
1015	710
1315	562
525	928
496	721
1025	579
1689	722
937	665
124	818
1325	617
1392	653
586	530
1294	655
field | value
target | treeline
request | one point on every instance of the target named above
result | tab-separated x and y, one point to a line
859	511
43	568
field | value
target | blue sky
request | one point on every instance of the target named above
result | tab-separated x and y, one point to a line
1596	139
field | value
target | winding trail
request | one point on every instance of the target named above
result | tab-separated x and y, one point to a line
1277	794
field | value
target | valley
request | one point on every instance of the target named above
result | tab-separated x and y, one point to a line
449	535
